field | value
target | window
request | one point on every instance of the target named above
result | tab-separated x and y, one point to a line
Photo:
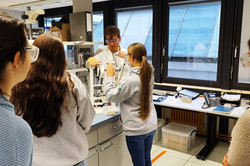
136	26
48	20
193	41
98	32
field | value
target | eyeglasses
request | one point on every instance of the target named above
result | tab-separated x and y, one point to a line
33	52
112	40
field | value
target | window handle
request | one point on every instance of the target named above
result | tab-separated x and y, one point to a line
235	51
163	51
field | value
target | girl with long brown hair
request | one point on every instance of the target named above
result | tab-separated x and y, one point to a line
56	106
134	93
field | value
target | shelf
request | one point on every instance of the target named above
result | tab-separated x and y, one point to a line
81	43
72	43
77	70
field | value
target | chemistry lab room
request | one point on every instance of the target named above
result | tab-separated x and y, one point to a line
124	83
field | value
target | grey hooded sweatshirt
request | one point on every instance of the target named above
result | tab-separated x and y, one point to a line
127	93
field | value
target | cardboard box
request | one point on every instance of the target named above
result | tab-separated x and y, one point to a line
63	34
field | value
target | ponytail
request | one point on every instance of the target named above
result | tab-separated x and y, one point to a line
139	52
145	76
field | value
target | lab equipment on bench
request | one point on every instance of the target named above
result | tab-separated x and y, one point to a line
96	75
96	91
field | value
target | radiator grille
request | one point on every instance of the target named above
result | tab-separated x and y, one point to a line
187	117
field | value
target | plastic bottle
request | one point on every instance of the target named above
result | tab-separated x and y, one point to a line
46	30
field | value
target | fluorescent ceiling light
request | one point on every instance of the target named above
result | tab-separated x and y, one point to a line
29	4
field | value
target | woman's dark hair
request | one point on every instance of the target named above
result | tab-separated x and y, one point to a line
12	39
139	52
40	97
112	30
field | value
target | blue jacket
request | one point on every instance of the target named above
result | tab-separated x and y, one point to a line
16	139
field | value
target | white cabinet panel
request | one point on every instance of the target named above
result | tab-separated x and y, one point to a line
114	152
92	159
109	130
92	138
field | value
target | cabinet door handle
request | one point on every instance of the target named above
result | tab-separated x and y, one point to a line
93	154
102	149
116	126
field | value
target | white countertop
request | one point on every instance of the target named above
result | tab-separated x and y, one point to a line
196	105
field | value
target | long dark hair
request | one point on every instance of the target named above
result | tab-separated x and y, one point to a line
139	52
12	39
39	98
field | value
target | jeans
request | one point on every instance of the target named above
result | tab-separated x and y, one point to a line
82	163
139	148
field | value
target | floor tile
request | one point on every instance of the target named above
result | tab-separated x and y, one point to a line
189	163
157	152
221	147
206	162
215	156
177	158
168	160
155	148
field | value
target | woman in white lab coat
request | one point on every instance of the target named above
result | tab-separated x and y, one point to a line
57	107
134	93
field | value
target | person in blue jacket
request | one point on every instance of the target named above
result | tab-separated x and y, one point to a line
134	93
16	140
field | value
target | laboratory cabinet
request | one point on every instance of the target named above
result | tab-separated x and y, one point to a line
114	152
92	158
107	146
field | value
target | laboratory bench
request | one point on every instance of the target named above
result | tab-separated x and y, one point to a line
196	106
101	119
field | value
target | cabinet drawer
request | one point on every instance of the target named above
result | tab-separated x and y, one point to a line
114	152
92	158
109	130
92	138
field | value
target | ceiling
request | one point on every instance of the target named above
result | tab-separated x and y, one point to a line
35	4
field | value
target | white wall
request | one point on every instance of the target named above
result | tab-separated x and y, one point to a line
16	14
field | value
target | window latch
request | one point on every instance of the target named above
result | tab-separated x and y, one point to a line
235	51
163	51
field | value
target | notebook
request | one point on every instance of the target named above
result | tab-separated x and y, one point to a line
189	93
223	109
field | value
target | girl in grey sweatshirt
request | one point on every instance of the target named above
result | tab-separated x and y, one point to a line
134	93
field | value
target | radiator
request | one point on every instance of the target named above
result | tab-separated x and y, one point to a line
187	117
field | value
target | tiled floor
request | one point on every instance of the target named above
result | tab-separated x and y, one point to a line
176	158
